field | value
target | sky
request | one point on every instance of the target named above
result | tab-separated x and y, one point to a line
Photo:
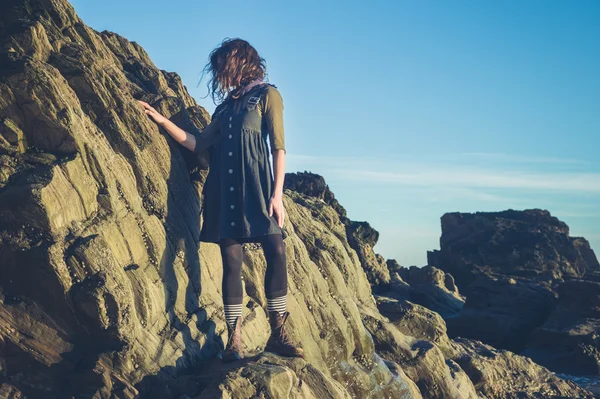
411	109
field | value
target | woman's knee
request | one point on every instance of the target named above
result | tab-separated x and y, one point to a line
231	253
273	245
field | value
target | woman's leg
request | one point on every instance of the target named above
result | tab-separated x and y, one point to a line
231	253
276	274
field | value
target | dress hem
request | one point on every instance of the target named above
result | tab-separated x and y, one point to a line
250	239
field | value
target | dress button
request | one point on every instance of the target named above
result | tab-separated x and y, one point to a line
231	117
230	125
230	170
232	206
233	223
230	153
230	136
231	188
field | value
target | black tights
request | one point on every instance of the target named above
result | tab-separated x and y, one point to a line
275	276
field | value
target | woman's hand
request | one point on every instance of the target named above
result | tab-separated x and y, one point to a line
276	204
154	114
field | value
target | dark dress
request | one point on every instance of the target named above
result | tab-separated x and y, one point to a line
240	181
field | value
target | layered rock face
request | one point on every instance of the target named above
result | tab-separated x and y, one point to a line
102	280
529	286
361	236
427	286
531	243
105	291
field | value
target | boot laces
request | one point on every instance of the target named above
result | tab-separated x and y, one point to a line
231	337
230	340
283	333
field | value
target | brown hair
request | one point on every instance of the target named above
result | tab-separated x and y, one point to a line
233	64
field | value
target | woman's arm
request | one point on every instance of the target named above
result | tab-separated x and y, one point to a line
196	141
278	171
273	116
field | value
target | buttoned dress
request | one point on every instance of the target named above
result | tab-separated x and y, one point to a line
240	180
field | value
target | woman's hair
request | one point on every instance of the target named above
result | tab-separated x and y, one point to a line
233	64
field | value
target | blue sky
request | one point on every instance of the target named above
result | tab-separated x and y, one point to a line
411	109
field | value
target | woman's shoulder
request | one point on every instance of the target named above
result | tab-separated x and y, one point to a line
272	89
271	93
265	88
264	85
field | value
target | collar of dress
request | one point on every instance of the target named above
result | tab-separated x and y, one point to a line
251	85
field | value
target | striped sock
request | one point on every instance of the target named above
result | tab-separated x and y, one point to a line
232	312
278	304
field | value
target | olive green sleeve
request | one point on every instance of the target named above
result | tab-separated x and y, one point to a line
207	137
273	118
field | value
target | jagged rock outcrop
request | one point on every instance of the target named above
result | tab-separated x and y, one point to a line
361	235
470	369
498	373
417	321
314	185
503	311
569	339
102	282
427	286
529	243
104	290
511	266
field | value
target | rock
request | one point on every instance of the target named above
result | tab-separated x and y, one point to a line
529	243
427	286
10	392
266	373
314	185
498	373
2	359
93	187
422	361
105	290
508	265
569	340
503	311
416	321
362	237
393	266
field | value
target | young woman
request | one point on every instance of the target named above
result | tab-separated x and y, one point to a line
243	202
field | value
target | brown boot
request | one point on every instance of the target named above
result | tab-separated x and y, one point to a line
234	349
279	341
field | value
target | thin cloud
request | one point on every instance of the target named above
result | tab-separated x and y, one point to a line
434	173
445	193
503	157
453	158
466	177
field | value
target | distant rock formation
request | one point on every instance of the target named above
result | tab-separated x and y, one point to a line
106	293
569	339
530	243
529	286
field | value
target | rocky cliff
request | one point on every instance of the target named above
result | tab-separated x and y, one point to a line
105	291
530	287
